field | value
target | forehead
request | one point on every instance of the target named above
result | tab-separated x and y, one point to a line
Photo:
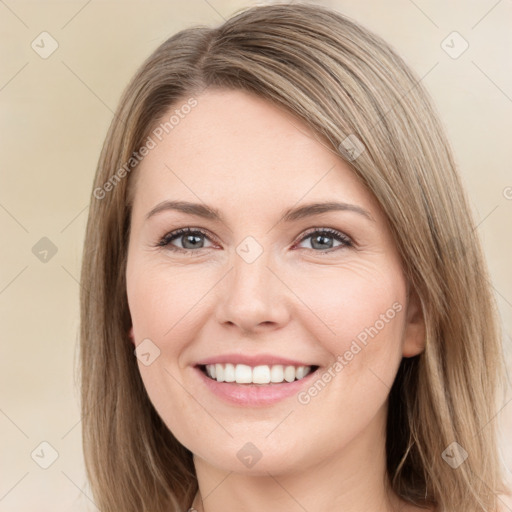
236	149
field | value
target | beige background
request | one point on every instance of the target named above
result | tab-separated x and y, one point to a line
55	113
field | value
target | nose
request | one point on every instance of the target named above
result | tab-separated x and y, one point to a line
253	296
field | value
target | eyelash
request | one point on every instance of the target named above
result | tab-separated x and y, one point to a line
169	237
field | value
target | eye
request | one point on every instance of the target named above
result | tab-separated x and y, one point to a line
189	237
321	239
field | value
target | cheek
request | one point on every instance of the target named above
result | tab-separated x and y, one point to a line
359	320
161	305
346	303
162	300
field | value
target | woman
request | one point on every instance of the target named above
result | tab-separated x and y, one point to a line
284	301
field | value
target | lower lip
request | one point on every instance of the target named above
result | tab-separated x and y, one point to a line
251	395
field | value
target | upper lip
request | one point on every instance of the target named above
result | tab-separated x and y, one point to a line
254	360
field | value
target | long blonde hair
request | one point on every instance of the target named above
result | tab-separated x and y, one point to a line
343	81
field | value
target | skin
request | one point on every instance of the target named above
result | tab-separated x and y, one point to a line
251	161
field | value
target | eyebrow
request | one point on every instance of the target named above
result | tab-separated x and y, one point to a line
290	215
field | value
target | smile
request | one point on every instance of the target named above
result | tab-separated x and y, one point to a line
261	374
254	386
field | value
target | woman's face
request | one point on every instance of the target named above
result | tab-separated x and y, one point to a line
261	286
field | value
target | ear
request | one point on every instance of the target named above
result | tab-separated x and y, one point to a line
131	336
414	332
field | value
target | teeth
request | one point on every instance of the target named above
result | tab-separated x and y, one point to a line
289	373
229	373
276	373
263	374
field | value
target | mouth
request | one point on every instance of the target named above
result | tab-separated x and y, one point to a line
261	375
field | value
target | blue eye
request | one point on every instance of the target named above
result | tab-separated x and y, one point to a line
188	236
320	239
191	239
